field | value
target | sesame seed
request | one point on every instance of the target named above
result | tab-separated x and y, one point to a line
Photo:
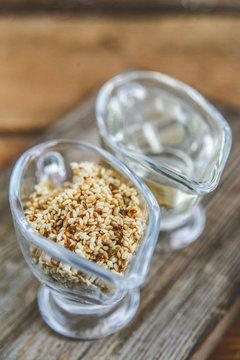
95	215
71	221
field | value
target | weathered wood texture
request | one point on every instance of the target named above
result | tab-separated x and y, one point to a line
49	64
135	6
229	347
188	299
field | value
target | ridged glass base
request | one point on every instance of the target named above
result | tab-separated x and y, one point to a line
86	321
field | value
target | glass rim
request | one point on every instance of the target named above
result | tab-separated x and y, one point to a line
138	271
192	95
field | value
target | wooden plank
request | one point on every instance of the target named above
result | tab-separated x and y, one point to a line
216	334
229	348
49	64
187	296
116	6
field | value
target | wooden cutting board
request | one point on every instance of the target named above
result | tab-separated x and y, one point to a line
188	301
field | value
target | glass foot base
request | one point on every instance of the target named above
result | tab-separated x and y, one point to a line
86	321
183	234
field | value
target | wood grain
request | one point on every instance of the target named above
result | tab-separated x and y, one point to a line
49	64
229	348
135	6
187	295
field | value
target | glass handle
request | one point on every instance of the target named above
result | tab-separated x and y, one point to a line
51	168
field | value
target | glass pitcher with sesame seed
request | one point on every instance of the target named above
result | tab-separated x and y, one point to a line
85	293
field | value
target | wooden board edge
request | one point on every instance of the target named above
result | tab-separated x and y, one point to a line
218	333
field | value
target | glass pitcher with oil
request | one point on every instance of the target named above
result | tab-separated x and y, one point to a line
175	140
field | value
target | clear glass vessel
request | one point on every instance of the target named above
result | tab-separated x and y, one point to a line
102	302
171	137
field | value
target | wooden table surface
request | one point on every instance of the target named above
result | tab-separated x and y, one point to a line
50	64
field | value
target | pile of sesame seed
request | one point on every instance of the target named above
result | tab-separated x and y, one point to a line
96	215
